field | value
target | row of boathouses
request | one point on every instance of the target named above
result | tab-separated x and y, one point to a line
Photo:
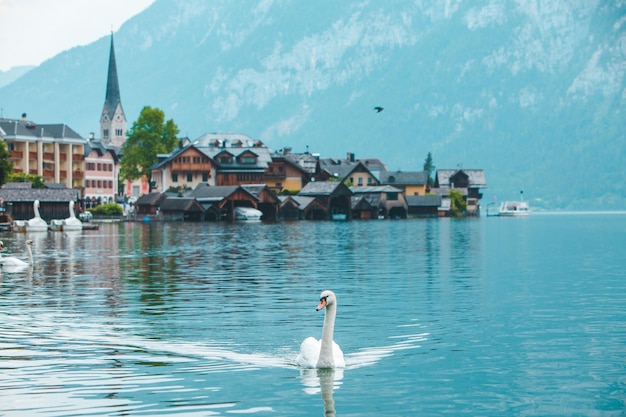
317	200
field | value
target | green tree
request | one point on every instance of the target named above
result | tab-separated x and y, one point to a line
149	136
457	203
6	167
429	168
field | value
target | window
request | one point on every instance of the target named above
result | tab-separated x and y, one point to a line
174	176
369	180
360	181
226	160
189	177
392	196
105	132
205	177
119	132
248	160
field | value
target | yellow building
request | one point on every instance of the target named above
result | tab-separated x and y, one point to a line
52	151
410	182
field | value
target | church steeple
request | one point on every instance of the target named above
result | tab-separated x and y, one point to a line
113	119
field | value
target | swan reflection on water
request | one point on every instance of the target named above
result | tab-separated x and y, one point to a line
322	380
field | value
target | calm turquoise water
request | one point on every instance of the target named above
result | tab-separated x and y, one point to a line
473	317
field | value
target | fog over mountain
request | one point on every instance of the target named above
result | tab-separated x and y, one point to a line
7	77
533	92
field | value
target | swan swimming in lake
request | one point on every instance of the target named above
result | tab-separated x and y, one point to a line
72	223
12	261
36	224
323	353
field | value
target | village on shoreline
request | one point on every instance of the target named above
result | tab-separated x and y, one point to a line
217	177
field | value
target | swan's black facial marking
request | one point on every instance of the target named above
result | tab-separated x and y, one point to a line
322	304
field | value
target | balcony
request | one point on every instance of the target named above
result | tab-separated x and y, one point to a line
63	174
78	174
32	155
17	154
48	173
275	175
77	157
17	170
33	171
62	156
48	156
179	167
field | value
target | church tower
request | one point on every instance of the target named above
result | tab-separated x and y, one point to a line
113	119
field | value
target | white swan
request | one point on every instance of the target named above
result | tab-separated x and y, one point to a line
12	261
36	224
72	223
323	353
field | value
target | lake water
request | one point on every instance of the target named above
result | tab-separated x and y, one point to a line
469	317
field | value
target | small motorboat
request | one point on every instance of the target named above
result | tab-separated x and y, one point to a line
247	213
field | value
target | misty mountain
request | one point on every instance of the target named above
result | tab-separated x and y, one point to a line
7	77
532	92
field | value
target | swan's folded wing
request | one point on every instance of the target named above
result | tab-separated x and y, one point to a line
338	356
309	353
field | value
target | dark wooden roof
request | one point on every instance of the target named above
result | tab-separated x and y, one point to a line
181	204
375	189
325	188
23	192
205	193
151	199
423	200
362	203
475	177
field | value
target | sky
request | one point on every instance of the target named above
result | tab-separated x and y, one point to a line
31	31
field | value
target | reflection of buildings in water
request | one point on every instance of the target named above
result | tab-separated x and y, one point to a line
89	256
322	381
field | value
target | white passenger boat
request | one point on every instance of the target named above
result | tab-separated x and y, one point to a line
514	209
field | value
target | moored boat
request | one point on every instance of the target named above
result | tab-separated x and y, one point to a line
247	213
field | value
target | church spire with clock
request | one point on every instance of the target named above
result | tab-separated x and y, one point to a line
113	119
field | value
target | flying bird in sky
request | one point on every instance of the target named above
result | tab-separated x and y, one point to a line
378	109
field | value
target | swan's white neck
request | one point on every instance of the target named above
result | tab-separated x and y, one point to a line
30	254
35	206
72	215
326	359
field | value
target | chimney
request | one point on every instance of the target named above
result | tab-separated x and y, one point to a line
24	118
350	157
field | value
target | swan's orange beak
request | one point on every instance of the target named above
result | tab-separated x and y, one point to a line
321	305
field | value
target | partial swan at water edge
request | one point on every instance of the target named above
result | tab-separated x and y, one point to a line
12	261
323	353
